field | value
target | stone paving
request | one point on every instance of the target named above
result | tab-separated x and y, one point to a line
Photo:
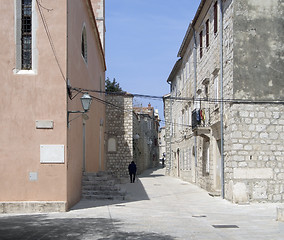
156	207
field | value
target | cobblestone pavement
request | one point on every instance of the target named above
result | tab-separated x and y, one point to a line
156	207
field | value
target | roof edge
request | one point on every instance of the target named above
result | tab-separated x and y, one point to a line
186	41
96	31
174	70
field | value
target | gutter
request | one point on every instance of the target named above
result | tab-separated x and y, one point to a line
195	88
222	97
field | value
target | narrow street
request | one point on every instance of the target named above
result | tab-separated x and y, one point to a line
156	207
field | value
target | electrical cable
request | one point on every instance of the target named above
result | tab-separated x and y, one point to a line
209	100
49	36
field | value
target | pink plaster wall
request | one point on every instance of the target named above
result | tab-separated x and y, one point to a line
27	98
43	96
90	75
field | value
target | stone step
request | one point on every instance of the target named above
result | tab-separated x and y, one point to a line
101	186
106	193
103	197
98	182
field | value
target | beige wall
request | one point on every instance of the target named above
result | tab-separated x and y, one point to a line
88	75
26	99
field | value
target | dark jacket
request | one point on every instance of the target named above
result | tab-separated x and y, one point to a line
132	168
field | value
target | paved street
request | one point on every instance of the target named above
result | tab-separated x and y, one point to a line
157	207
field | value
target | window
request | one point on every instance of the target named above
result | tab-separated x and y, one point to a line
216	89
206	156
84	44
26	35
200	44
207	33
215	17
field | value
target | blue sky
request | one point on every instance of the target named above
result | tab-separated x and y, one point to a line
142	41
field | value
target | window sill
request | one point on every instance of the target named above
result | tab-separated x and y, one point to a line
24	72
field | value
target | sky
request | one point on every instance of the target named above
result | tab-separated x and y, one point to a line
142	42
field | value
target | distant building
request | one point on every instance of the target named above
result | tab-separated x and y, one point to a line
162	142
148	129
224	114
48	48
131	135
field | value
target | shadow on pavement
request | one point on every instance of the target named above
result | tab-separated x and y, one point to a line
41	227
134	192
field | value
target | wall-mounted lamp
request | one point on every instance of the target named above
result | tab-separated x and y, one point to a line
86	101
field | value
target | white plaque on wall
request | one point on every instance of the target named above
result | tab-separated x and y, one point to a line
111	145
52	153
44	124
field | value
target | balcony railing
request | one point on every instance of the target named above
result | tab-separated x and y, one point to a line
200	118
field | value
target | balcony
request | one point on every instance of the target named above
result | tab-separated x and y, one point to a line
201	122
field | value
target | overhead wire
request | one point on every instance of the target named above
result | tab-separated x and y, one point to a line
131	111
39	5
209	100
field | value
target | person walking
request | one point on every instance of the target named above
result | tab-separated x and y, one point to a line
132	171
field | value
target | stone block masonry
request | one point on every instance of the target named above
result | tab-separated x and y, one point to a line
258	163
119	134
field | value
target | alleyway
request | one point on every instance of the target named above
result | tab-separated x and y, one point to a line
156	207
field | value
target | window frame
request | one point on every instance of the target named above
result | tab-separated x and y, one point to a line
201	44
26	34
215	17
18	33
84	44
216	89
207	33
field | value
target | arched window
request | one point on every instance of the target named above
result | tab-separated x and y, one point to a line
84	44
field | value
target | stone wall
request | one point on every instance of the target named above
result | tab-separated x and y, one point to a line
254	166
127	137
258	52
119	134
253	133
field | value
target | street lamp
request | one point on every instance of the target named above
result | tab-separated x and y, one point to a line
86	101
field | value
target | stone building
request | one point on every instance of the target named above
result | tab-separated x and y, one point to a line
162	142
224	114
49	48
131	135
147	129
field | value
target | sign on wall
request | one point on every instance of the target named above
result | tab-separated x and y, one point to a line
52	153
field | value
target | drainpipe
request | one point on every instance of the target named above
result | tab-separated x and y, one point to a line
195	89
171	131
100	144
222	103
84	145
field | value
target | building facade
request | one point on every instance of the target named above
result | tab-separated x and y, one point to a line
50	48
131	135
224	121
162	142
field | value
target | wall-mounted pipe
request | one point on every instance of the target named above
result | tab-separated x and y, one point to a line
222	97
195	90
